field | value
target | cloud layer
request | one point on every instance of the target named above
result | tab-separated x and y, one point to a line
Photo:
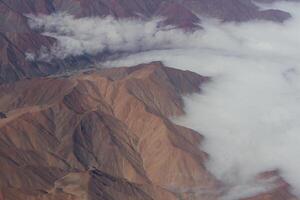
249	113
78	36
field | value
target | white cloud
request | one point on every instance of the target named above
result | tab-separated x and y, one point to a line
250	112
77	36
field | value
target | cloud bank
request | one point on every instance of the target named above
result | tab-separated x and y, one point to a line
78	36
249	113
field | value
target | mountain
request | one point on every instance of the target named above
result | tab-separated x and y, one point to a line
17	38
105	127
72	132
106	134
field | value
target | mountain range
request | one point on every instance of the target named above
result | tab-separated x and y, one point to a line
106	133
17	38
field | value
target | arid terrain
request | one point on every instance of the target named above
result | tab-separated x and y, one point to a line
107	133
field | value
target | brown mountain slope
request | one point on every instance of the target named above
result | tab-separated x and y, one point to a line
90	185
104	135
114	121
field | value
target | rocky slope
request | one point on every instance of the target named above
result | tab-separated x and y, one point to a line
16	38
100	135
105	134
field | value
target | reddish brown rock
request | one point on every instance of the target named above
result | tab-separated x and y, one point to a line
113	120
186	20
282	190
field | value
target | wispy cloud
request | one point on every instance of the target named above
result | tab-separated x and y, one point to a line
78	36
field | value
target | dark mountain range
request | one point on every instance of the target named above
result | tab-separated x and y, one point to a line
17	38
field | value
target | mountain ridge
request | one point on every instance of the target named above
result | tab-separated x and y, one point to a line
109	127
17	38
